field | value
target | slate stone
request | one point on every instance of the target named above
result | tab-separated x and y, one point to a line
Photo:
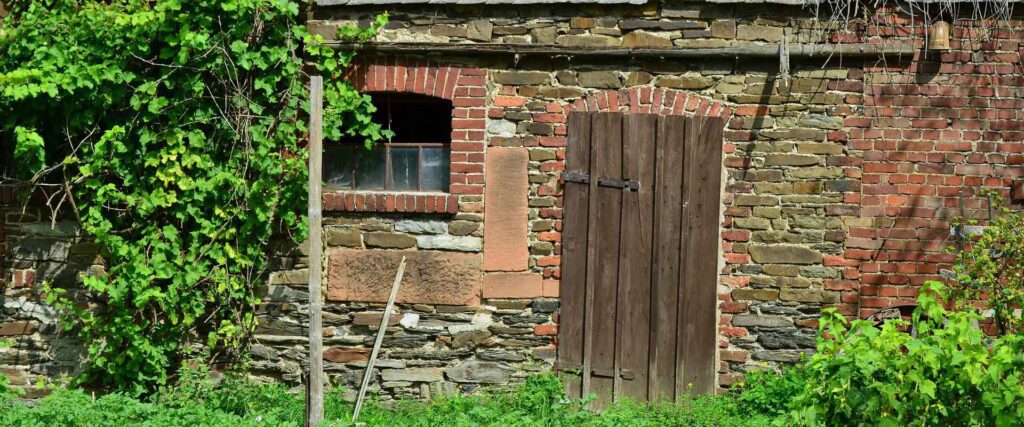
500	356
451	243
477	372
416	375
545	306
421	227
762	321
785	340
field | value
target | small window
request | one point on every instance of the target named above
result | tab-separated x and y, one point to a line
416	158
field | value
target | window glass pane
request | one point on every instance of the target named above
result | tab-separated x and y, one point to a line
435	168
339	162
404	167
370	169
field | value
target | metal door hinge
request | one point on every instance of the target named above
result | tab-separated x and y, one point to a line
579	178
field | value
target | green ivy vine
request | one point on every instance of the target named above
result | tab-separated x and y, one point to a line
173	130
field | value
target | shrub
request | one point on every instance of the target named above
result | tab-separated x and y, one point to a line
766	392
989	268
951	373
172	131
236	401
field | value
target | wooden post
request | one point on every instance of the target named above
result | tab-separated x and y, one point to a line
380	339
315	396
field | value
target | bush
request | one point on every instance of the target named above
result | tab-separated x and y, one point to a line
235	401
951	373
766	392
988	267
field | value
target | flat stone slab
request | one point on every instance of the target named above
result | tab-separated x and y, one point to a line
431	277
506	213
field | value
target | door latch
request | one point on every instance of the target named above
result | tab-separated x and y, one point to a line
624	184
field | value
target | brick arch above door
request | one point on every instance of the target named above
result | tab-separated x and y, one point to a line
648	100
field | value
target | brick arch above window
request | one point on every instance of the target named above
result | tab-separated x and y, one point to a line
464	87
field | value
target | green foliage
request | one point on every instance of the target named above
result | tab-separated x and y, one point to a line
990	268
949	374
766	392
200	401
7	391
176	128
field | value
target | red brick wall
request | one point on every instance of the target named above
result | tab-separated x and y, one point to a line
933	136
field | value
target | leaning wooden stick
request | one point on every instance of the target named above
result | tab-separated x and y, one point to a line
380	339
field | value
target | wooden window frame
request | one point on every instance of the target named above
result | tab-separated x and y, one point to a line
388	176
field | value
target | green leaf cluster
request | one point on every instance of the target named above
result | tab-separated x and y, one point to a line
989	267
938	369
177	129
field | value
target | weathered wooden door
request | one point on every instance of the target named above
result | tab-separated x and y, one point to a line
640	253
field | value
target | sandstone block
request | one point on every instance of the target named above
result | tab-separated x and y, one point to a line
462	228
431	277
645	39
16	328
685	82
348	237
783	254
521	77
723	29
346	354
513	285
599	79
586	41
643	24
808	295
390	240
755	294
760	33
506	215
479	30
544	35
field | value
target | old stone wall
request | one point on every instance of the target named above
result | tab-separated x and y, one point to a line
840	182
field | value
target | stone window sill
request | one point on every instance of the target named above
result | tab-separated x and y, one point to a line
382	201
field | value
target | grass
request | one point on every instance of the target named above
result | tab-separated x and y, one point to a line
236	402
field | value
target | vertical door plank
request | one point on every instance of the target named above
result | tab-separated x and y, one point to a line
603	259
698	323
636	240
669	170
574	255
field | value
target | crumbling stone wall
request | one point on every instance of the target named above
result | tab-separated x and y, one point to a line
840	183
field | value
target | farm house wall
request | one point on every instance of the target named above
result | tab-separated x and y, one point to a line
840	183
